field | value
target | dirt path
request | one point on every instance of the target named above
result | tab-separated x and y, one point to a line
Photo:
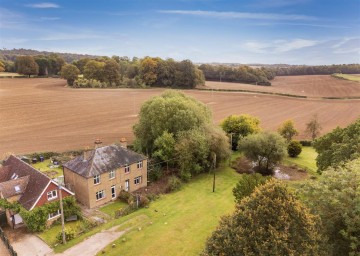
3	250
94	244
31	245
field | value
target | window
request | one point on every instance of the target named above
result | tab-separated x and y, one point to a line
100	195
112	174
127	168
54	214
52	195
139	164
96	179
113	193
137	180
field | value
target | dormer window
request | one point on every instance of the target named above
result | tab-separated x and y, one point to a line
52	195
17	189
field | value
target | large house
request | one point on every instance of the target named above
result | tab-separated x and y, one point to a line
97	176
21	182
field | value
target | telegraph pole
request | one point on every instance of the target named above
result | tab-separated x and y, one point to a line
62	216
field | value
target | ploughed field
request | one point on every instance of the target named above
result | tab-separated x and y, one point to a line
41	114
311	86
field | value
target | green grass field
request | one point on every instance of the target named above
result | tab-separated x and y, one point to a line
45	168
307	159
181	221
110	208
348	77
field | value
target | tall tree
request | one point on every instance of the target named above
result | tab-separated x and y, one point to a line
26	65
94	70
271	221
335	197
112	72
287	130
148	72
238	127
338	146
265	149
313	127
70	73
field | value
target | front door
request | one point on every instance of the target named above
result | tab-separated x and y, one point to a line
113	193
127	185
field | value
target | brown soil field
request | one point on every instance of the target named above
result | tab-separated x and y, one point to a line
311	86
41	114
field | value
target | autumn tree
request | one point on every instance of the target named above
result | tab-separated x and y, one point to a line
271	221
148	72
2	66
338	146
240	126
70	73
335	198
26	65
111	72
313	127
265	149
287	130
94	70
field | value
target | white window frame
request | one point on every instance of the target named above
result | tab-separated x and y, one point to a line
98	193
112	174
137	180
96	179
140	165
52	216
113	195
127	168
52	195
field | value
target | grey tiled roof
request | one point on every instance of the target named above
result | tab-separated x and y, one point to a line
103	159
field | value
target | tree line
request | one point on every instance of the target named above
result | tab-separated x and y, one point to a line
239	74
316	70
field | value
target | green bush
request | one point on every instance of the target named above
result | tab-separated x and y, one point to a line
156	173
69	235
173	184
306	143
86	225
126	197
294	148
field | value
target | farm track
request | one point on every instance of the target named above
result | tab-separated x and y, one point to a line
43	115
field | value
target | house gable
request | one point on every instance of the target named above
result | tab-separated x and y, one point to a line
43	198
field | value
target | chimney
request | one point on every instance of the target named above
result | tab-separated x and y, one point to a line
97	143
123	143
86	153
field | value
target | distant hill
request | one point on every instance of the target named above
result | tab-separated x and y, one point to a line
6	54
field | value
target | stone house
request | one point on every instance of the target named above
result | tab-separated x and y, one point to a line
98	175
21	182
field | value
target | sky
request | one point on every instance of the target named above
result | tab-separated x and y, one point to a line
312	32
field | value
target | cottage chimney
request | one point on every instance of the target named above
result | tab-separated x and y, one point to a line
123	143
97	143
86	153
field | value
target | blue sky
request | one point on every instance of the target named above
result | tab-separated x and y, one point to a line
310	32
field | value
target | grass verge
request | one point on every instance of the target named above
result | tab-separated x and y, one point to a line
347	77
307	159
110	208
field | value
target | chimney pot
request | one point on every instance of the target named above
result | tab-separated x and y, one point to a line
123	143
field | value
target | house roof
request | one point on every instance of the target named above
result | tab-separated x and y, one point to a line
36	184
14	187
103	159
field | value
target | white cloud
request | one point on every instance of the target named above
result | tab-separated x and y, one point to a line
43	5
240	15
278	46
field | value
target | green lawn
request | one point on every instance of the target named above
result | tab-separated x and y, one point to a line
348	77
49	235
110	208
45	168
10	74
307	159
181	221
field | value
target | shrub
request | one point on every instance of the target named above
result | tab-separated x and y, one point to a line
125	196
156	173
294	148
69	235
306	143
173	184
86	224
